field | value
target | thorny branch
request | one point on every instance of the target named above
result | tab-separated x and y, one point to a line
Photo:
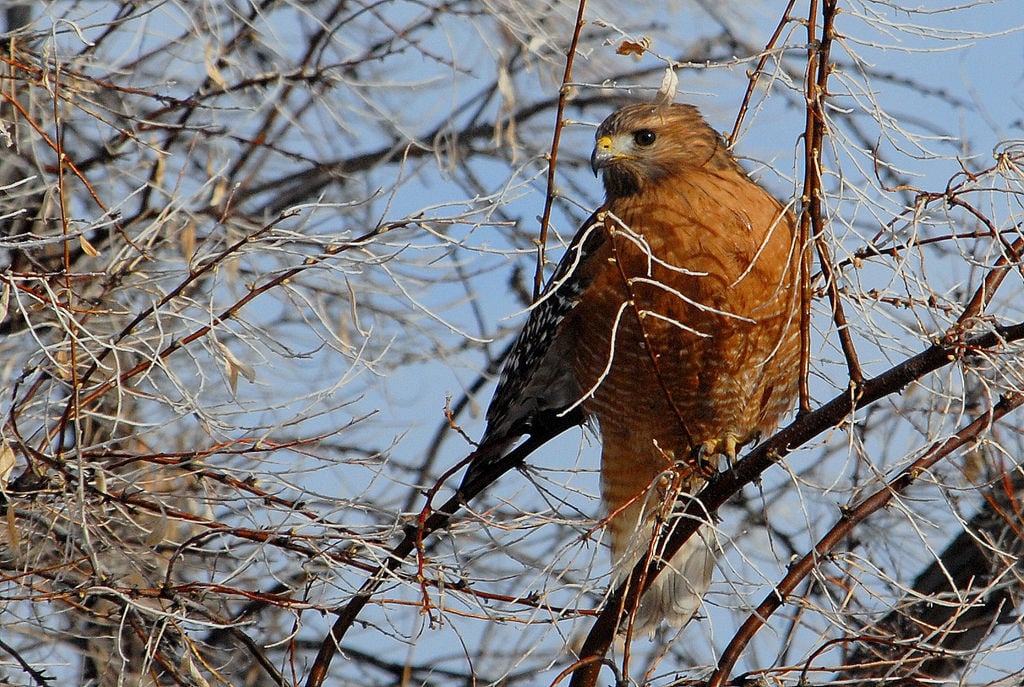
812	219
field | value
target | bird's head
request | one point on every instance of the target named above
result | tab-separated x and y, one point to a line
644	144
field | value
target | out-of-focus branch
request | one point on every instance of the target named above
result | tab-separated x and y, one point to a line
953	605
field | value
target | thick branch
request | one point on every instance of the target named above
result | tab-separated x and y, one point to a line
799	570
625	599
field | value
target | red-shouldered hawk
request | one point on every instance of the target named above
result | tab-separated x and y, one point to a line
673	321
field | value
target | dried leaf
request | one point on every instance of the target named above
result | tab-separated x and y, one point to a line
212	70
62	357
100	480
7	461
189	668
158	531
220	190
87	247
233	367
636	49
12	531
5	300
6	464
669	87
158	170
187	241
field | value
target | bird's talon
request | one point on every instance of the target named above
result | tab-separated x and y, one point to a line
726	445
729	450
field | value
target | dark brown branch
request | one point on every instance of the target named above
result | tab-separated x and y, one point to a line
799	570
812	221
755	75
549	196
38	676
623	601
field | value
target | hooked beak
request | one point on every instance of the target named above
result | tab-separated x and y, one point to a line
602	154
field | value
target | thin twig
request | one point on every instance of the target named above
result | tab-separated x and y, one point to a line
430	521
758	70
812	220
549	196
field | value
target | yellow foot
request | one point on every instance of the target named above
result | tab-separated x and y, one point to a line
703	457
724	445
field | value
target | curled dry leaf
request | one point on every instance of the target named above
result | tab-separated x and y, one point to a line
87	247
233	366
635	48
668	88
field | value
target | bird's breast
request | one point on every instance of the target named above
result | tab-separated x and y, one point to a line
688	312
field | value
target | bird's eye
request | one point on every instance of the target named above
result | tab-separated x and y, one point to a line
644	137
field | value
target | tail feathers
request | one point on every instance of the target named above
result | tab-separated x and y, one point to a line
485	464
678	591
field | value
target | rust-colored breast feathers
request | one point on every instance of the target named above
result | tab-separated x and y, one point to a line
689	322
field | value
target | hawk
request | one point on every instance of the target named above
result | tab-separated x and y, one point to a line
672	321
